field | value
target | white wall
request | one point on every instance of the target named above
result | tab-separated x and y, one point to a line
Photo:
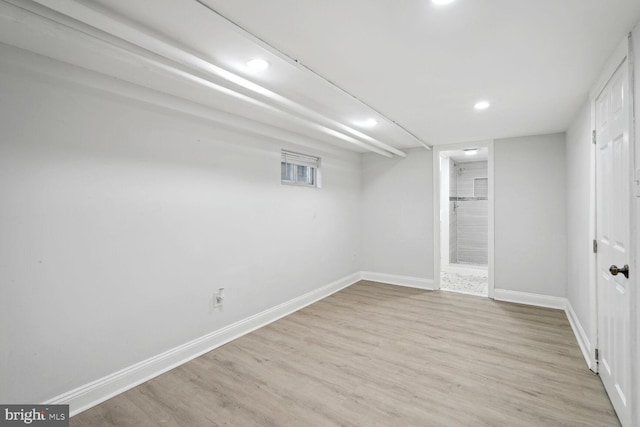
579	235
119	221
530	233
397	214
530	230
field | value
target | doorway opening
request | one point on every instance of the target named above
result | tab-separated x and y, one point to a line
464	220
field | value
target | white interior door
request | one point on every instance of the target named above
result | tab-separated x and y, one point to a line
613	234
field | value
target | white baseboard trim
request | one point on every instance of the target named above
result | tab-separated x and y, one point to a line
530	299
393	279
578	331
96	392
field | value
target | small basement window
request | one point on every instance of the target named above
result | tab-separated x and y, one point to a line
299	169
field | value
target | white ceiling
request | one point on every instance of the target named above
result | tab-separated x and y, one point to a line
421	66
425	66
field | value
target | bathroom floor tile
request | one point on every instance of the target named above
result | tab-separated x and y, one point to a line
466	283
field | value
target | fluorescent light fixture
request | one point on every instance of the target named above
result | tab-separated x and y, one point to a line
470	151
482	105
257	64
368	123
441	2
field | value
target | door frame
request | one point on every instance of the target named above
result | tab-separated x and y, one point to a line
622	53
436	208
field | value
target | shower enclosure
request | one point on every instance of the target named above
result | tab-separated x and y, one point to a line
464	221
468	213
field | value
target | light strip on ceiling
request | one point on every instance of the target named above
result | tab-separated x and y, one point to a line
299	64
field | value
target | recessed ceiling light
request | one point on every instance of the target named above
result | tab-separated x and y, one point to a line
482	105
441	2
470	151
257	64
368	123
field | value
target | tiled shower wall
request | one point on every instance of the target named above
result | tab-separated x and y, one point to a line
469	222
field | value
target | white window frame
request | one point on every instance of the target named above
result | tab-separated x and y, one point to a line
298	159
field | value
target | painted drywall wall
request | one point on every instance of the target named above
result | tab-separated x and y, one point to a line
530	232
397	214
119	221
578	170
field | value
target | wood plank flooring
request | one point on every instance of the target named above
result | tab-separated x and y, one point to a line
380	355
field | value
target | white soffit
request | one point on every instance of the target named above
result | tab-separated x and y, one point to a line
110	39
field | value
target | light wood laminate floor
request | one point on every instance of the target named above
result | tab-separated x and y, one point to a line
380	355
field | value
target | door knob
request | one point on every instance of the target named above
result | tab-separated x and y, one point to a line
614	270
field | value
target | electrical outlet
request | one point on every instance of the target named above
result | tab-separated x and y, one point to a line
218	297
